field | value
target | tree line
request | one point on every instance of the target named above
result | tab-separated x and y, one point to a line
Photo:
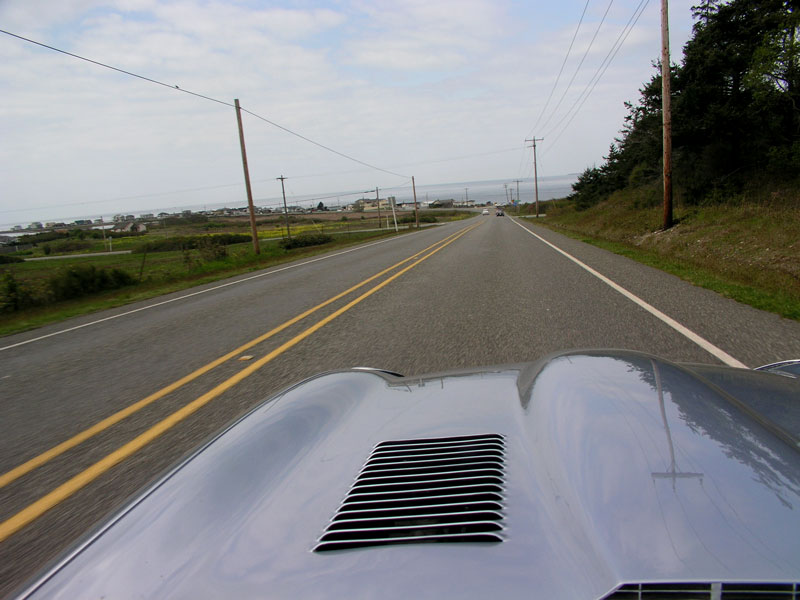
735	110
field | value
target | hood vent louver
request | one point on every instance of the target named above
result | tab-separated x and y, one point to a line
706	591
421	491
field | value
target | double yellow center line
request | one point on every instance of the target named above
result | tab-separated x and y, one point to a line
64	491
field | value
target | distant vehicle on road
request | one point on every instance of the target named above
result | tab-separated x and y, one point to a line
500	213
485	211
593	474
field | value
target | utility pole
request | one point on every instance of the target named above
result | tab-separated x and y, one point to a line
416	209
666	114
517	182
378	200
253	228
285	210
466	195
535	174
505	185
394	214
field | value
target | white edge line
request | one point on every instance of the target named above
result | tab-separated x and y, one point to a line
685	331
211	289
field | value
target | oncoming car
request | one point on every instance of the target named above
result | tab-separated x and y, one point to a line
586	474
485	211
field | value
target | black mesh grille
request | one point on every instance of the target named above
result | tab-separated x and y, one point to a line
428	490
706	591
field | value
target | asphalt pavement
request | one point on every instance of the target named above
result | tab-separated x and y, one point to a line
486	291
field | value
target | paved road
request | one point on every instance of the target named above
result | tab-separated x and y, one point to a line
499	292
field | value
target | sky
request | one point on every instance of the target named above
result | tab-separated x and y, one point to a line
443	90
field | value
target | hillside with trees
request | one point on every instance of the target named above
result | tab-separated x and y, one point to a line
735	162
735	112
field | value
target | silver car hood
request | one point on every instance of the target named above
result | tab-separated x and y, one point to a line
619	468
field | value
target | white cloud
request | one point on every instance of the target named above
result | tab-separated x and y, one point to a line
393	83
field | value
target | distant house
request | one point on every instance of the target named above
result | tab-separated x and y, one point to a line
130	226
36	225
441	204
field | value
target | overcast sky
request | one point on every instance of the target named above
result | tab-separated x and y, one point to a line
445	90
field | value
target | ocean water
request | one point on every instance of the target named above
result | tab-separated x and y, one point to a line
497	191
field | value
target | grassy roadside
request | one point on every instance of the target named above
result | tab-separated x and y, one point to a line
745	250
165	272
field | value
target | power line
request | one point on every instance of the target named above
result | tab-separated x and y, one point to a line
100	64
580	64
584	95
561	70
323	146
209	98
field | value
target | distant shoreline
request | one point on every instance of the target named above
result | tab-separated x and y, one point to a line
493	190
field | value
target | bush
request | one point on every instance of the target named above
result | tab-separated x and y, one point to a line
305	239
428	219
211	248
67	245
192	242
185	220
78	281
7	258
216	225
13	296
38	238
422	219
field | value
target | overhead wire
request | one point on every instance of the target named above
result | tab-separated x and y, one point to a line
203	96
587	91
580	64
560	71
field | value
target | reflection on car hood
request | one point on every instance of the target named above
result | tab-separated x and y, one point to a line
617	468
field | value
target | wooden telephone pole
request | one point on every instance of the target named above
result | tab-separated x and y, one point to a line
416	209
253	228
666	114
535	174
285	210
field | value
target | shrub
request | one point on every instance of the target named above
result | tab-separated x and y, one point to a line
78	281
192	242
211	248
185	220
13	296
305	239
215	225
7	258
422	219
67	245
37	238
